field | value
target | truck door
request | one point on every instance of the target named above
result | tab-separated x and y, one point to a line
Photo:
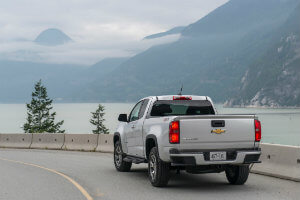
130	129
138	132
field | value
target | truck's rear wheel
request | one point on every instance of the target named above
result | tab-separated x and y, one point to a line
237	174
158	171
120	164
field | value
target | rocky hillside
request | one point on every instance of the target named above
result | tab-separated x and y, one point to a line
274	78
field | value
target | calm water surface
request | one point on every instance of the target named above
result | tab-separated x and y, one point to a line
280	126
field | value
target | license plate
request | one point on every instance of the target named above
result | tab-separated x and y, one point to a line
217	155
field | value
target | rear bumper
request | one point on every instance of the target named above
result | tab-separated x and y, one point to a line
245	156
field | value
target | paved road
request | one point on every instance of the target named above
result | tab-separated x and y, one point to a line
42	174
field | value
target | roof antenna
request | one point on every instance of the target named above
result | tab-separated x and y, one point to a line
180	93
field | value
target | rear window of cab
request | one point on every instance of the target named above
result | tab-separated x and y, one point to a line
182	107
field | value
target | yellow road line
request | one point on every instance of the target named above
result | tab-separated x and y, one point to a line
79	187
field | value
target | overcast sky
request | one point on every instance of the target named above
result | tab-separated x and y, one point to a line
99	28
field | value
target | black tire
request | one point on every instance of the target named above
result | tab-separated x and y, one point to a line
237	174
158	171
120	164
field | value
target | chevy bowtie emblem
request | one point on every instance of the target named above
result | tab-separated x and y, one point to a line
218	131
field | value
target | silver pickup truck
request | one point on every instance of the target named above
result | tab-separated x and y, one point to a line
185	133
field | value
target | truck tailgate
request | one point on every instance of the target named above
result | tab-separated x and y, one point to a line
197	132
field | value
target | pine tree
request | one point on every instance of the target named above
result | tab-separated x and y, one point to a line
39	118
97	120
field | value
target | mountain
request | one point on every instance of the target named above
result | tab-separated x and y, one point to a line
52	37
273	80
241	16
210	58
105	66
17	79
91	77
65	82
245	52
175	30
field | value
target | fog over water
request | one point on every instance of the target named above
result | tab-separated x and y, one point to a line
280	126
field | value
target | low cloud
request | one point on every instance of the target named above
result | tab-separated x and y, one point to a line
99	28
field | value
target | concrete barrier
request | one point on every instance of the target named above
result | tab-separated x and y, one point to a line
47	141
105	143
15	140
280	161
82	142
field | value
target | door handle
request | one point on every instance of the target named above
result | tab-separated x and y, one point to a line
133	126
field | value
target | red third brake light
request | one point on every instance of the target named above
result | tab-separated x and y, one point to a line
174	132
181	98
257	130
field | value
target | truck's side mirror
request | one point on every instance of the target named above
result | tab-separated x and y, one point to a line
122	118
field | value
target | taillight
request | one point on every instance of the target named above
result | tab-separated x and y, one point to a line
174	132
181	98
257	130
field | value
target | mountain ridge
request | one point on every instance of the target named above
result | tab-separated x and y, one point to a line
207	64
217	56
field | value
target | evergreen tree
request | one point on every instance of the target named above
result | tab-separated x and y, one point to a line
97	120
39	119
